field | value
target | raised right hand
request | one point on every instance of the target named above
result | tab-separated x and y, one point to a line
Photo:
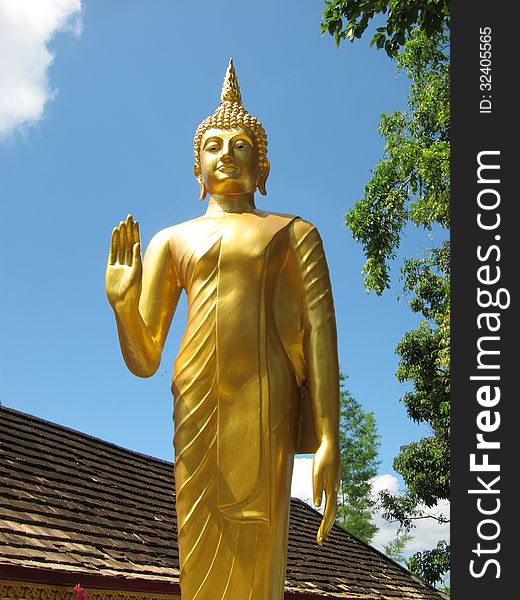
124	272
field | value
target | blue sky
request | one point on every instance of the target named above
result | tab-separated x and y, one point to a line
128	85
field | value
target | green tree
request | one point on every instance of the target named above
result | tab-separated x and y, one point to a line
431	564
348	20
359	446
411	187
396	547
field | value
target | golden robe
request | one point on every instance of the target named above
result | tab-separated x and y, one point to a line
258	290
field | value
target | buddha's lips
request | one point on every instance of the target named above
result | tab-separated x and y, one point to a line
227	168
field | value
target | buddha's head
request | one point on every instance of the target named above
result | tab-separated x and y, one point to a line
231	146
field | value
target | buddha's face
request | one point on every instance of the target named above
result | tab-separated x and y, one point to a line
229	161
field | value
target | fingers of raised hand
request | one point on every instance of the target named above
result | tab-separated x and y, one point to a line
114	246
125	237
136	242
137	238
129	240
136	255
121	250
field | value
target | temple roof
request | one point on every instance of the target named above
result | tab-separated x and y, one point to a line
74	505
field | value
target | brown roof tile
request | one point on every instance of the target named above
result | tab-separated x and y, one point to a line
71	502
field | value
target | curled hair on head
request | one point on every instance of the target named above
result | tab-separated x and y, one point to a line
231	114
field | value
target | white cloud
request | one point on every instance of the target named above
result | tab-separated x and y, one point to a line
385	482
426	533
301	486
26	28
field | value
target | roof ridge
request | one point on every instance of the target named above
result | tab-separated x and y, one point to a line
118	469
368	546
40	420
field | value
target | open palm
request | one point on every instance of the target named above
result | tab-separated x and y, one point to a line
124	269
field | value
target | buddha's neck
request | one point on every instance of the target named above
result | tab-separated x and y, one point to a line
230	204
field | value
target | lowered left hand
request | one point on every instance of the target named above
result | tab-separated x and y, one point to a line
325	478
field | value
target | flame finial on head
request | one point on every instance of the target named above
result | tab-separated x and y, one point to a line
230	114
230	88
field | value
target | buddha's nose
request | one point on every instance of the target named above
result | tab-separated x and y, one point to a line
226	157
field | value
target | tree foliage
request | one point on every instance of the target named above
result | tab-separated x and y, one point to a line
431	564
411	183
348	20
411	187
396	547
359	446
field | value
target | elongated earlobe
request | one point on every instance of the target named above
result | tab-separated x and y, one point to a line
203	190
262	177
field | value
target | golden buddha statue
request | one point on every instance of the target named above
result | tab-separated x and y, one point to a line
256	378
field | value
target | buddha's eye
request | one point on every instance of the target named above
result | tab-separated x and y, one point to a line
212	147
241	144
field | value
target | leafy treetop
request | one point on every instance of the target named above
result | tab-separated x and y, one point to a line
348	19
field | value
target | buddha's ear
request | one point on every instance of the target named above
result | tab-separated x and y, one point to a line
198	175
262	177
